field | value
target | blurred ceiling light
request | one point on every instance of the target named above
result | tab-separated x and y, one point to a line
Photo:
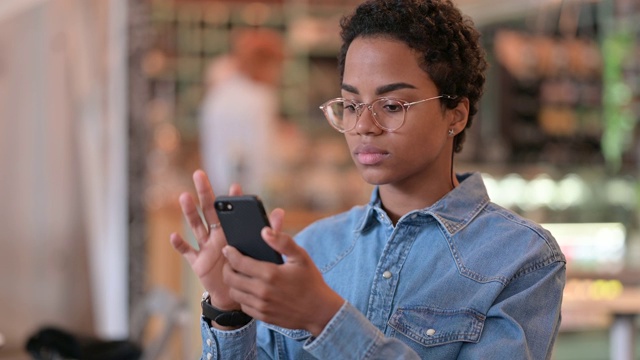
540	191
622	193
493	190
513	188
571	191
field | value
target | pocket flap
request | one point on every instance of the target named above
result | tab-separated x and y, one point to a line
432	326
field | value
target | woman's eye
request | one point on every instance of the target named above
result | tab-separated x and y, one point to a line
393	107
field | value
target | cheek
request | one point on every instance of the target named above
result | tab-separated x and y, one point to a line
420	138
420	146
351	143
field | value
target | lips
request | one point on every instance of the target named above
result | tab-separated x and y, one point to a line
369	155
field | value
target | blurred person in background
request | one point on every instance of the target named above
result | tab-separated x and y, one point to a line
430	268
240	111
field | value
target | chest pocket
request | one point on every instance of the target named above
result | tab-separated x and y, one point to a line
430	326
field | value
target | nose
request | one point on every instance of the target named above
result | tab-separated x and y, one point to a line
366	124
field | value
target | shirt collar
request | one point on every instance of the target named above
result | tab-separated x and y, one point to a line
453	211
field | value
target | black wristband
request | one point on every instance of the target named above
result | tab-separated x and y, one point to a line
223	318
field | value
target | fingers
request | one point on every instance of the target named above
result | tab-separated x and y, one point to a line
235	190
246	265
190	212
235	258
284	244
205	196
246	276
183	247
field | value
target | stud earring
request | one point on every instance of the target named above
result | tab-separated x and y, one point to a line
451	132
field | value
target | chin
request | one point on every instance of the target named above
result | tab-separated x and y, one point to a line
373	179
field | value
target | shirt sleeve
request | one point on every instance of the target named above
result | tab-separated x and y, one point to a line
349	335
234	344
524	320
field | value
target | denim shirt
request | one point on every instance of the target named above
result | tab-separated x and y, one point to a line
461	279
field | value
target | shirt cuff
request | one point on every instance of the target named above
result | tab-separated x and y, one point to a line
347	333
228	344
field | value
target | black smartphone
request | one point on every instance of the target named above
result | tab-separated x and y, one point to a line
242	219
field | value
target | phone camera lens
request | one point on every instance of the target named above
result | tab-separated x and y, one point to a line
223	206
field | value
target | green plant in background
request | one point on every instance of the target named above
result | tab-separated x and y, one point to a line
618	117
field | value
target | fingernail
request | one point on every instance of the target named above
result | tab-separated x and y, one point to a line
225	251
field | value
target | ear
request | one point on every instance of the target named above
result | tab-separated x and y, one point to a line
458	116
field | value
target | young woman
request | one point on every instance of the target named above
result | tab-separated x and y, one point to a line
429	268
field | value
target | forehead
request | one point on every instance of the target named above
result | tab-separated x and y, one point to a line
383	60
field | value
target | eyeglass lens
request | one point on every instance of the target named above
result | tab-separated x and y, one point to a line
388	113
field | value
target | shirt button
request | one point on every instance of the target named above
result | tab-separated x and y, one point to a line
430	332
209	356
414	216
387	274
208	342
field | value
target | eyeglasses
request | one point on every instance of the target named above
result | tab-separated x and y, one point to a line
388	114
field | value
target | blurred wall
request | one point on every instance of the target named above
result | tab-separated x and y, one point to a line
42	255
62	169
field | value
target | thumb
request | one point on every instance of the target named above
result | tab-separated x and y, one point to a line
276	219
284	244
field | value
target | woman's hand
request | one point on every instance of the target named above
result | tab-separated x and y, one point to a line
292	295
206	262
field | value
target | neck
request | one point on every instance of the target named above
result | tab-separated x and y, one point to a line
398	201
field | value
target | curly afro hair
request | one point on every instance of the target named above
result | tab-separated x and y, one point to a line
447	42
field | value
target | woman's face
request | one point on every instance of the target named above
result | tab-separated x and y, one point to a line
421	149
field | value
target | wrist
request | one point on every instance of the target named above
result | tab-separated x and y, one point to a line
325	314
222	319
223	303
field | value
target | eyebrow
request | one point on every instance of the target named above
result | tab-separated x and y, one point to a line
380	90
